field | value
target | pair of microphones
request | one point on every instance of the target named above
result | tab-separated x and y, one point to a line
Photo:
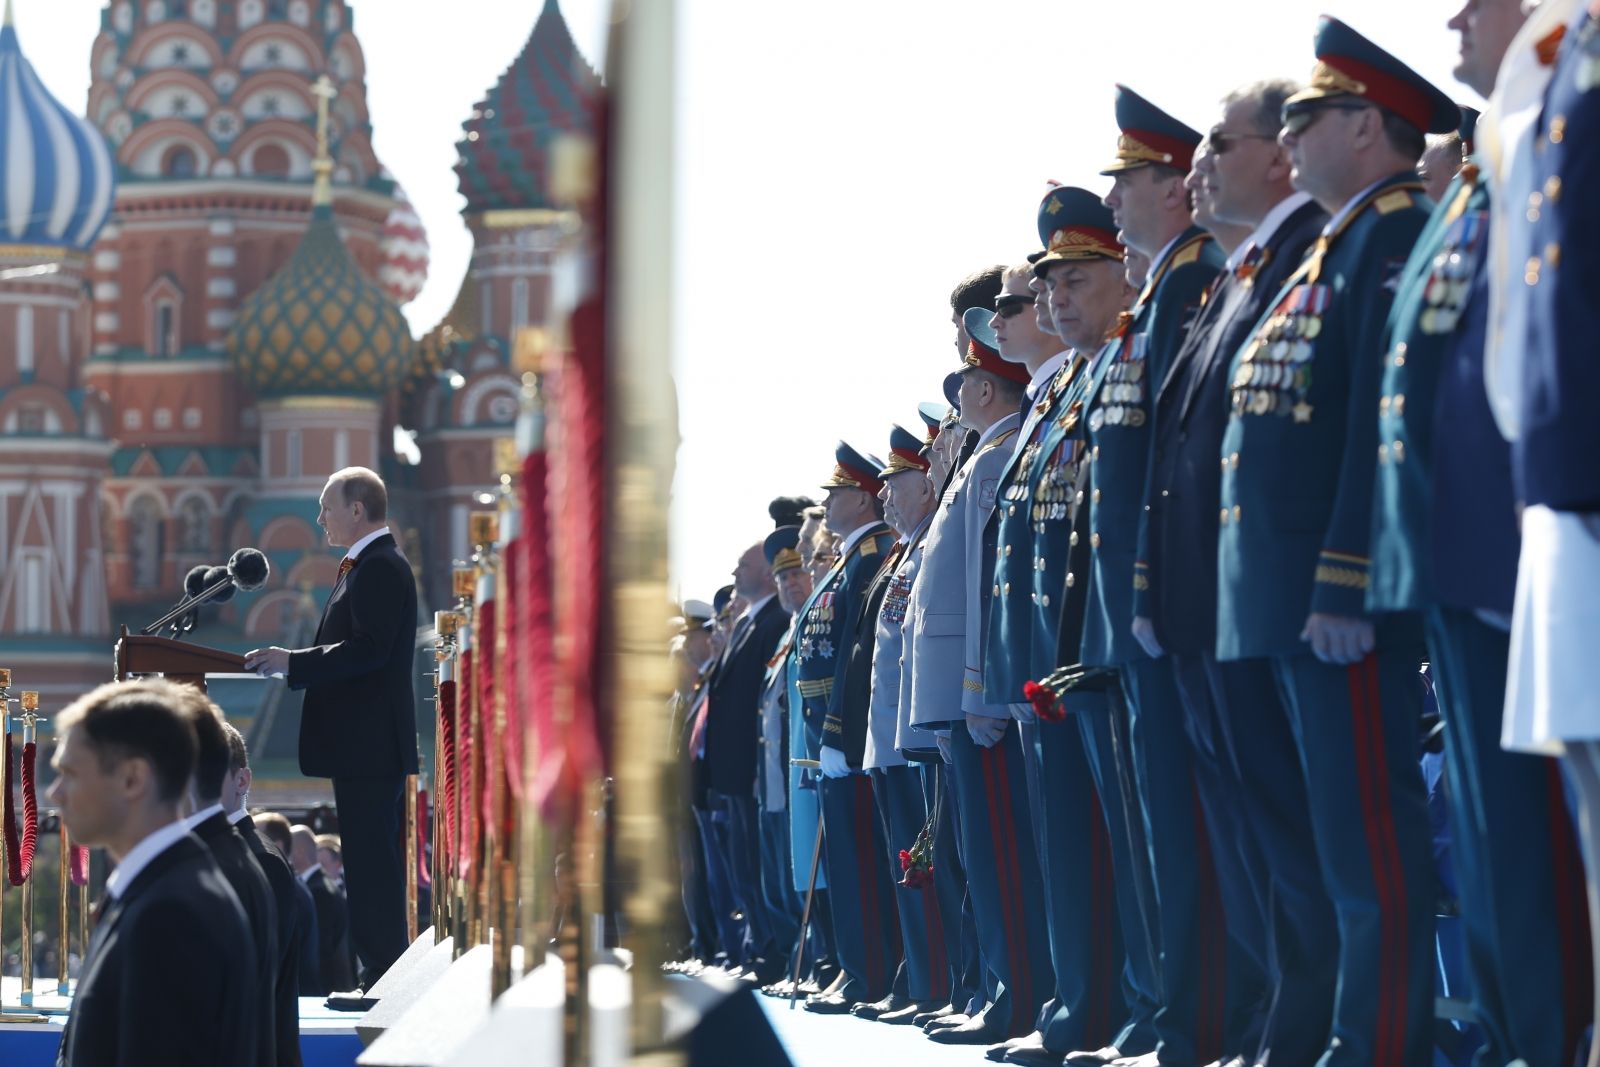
245	572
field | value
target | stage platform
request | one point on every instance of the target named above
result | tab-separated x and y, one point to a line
327	1038
813	1040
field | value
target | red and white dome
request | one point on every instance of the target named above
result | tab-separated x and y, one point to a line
404	268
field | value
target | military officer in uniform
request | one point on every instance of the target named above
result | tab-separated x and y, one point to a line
1082	271
1247	769
1295	520
1150	207
861	893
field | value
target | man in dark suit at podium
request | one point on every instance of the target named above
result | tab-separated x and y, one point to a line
358	722
169	920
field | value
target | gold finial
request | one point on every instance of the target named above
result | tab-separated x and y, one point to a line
322	166
5	678
30	701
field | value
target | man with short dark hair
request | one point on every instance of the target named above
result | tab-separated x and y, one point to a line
210	824
358	722
124	755
274	830
333	912
1296	530
976	290
294	915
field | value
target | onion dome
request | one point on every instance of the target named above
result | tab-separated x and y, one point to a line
404	245
546	92
58	178
320	326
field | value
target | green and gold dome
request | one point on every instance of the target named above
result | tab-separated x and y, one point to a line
320	326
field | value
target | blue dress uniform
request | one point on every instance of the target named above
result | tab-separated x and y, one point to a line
1246	765
1296	527
1445	544
861	895
1186	939
1031	534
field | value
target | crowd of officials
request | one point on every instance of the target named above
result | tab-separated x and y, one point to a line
243	913
1209	677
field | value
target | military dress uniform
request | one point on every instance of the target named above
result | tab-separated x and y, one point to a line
1179	918
1031	530
996	827
1247	768
1295	522
861	894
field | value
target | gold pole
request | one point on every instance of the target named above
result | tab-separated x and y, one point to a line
5	785
30	718
65	927
83	917
411	858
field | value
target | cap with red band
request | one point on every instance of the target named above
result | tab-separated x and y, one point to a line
853	470
1150	136
1350	65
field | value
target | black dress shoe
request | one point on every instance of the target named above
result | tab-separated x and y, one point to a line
944	1022
829	1004
809	987
892	1002
784	988
971	1032
922	1019
905	1016
1000	1052
1097	1058
1034	1056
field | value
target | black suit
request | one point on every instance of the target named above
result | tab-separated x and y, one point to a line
250	885
358	726
291	934
309	948
177	926
333	925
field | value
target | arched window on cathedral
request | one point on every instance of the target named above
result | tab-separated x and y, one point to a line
270	161
166	329
196	525
145	537
180	162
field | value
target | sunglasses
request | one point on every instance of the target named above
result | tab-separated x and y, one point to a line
1222	141
1009	307
1300	119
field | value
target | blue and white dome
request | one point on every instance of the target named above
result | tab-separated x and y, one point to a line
55	167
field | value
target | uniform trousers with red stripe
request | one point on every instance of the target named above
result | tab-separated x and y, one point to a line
967	989
1003	878
1090	1005
1518	869
1197	973
861	894
1357	731
923	923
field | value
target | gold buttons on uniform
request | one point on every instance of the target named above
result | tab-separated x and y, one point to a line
1047	600
1552	188
1094	541
1033	597
1223	518
1097	453
1079	499
1552	255
1383	406
1558	129
1530	273
1007	588
996	588
1398	451
1535	202
1097	496
1008	550
1070	579
1400	354
1073	541
1383	455
1233	461
1399	405
1012	510
1236	512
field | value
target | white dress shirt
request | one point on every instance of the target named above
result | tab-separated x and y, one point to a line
140	855
356	549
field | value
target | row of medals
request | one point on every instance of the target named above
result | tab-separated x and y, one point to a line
1121	397
897	598
819	620
1053	492
1017	489
1451	279
1274	368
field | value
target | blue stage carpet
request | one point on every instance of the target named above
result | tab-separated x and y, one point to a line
327	1038
844	1041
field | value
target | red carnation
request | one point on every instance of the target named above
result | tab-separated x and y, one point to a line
906	860
1044	702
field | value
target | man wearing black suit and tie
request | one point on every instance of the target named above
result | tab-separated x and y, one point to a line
733	725
168	920
358	721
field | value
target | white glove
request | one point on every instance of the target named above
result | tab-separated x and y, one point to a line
834	763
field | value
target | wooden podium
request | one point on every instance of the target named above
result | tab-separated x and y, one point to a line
178	661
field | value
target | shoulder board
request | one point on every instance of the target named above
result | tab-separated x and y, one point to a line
1390	202
999	439
1190	251
869	546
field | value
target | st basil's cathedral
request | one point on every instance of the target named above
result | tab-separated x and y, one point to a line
200	321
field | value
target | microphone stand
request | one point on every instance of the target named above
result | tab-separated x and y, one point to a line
184	606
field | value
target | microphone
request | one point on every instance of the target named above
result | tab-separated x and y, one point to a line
215	576
247	570
193	583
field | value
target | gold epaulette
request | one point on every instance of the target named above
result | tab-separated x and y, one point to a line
1189	251
869	547
999	439
1390	202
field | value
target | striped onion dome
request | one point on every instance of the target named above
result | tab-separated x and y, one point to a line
58	180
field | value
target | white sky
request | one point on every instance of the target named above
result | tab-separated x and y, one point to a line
842	164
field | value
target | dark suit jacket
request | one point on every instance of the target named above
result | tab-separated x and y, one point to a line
291	932
333	927
177	926
250	885
734	716
309	947
1192	411
359	715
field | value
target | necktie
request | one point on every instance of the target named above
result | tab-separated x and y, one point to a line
346	565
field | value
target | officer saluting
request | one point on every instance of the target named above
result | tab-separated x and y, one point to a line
1296	523
860	891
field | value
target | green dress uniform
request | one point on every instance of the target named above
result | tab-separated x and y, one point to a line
1295	534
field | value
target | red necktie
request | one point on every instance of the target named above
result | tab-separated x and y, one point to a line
346	565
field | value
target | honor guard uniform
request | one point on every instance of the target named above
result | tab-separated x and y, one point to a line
805	808
988	785
896	784
1029	529
1295	518
861	893
1247	768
